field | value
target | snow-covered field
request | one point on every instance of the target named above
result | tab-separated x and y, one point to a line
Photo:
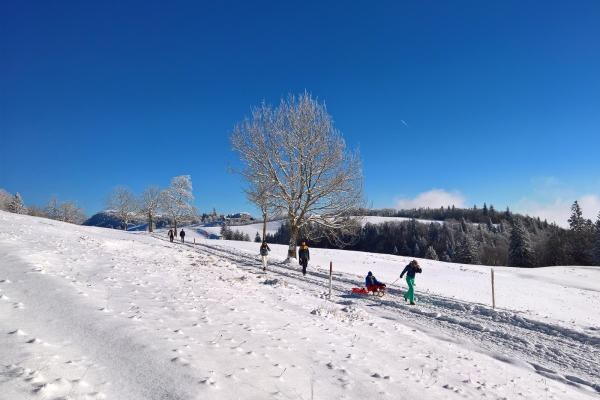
102	314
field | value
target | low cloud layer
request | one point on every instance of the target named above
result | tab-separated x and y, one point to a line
434	198
560	210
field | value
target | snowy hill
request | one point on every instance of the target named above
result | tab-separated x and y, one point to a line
106	314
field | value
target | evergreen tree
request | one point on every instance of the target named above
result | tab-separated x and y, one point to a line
581	232
246	237
405	249
485	209
257	238
463	225
489	225
595	250
467	252
225	232
431	254
576	221
557	246
395	250
520	251
417	251
16	205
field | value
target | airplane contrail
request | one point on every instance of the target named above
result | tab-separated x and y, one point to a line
405	123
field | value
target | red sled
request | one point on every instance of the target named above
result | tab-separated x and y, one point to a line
375	290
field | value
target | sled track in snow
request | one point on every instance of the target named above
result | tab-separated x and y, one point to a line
567	355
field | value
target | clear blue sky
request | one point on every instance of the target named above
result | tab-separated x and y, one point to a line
500	100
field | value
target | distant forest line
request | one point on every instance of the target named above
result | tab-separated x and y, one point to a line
474	236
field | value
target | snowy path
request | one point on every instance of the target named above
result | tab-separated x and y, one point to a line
556	352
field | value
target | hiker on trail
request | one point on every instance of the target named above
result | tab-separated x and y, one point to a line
304	256
372	283
264	253
170	235
182	234
410	270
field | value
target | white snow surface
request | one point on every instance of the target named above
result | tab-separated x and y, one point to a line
94	313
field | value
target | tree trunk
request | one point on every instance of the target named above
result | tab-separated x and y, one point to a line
150	222
125	225
175	229
264	237
293	239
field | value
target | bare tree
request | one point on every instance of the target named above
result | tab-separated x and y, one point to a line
67	211
124	203
313	180
150	203
175	200
259	193
52	207
71	212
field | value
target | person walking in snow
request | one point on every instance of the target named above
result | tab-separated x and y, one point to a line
304	256
170	235
372	283
264	253
410	270
182	235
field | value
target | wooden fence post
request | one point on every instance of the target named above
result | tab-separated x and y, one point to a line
330	277
493	295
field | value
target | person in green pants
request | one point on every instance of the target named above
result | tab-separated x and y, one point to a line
410	270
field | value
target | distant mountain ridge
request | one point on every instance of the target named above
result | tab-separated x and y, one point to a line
108	219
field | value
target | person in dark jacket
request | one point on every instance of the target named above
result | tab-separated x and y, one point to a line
410	270
182	235
170	234
264	253
372	283
304	256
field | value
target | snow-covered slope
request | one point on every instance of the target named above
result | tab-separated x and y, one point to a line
87	312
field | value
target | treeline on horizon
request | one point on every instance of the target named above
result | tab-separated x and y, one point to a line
475	236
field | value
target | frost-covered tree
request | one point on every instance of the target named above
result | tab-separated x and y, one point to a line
467	252
67	211
520	250
405	249
315	181
123	202
149	204
225	232
5	199
416	251
16	205
431	254
259	191
595	250
176	200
